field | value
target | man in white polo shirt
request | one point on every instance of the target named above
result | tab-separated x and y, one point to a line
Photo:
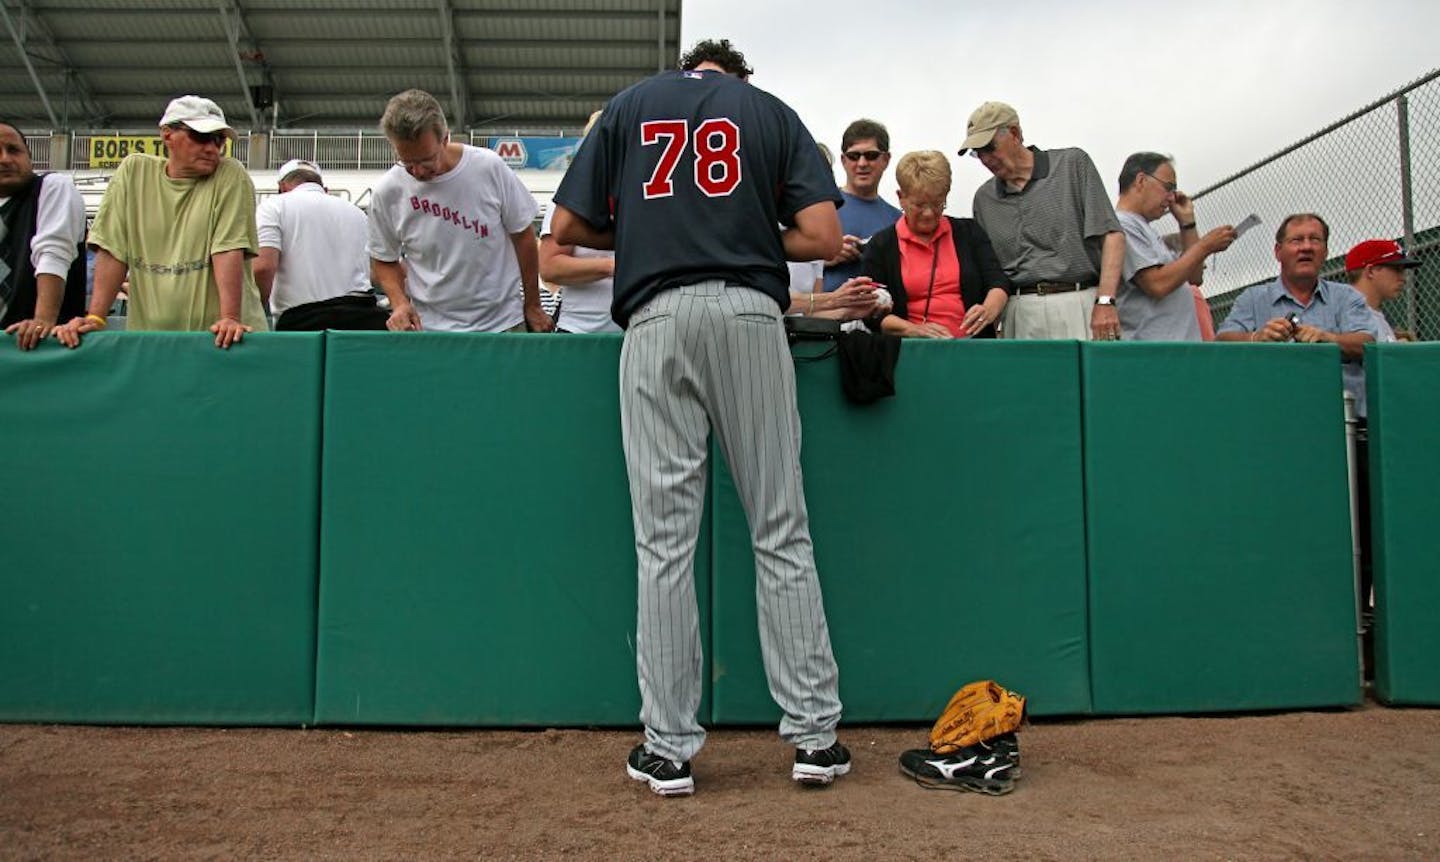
312	266
451	237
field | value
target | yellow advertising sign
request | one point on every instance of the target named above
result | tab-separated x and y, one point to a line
107	152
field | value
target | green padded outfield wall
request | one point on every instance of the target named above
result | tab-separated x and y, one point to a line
1404	400
478	561
160	535
956	502
1218	528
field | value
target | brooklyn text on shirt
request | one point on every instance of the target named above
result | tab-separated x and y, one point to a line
445	213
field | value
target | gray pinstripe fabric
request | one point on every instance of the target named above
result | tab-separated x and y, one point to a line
709	356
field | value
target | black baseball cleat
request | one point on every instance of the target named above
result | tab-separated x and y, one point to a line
1007	745
819	767
666	777
970	768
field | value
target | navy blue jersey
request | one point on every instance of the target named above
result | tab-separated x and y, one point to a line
696	169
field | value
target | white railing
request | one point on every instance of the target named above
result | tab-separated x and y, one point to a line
39	150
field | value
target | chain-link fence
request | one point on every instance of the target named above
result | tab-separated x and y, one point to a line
1373	174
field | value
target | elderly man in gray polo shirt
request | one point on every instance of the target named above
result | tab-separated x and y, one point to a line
1053	229
1154	303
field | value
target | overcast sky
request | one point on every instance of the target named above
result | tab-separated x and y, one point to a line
1220	84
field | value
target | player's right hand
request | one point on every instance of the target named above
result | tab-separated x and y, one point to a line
849	251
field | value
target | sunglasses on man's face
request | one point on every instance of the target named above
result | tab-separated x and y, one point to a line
867	155
216	138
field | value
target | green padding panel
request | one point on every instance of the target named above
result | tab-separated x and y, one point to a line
949	534
1219	528
1404	399
478	561
160	540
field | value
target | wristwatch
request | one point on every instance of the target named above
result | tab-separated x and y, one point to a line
1104	300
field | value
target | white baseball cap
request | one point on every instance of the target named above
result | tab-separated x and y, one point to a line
198	113
294	165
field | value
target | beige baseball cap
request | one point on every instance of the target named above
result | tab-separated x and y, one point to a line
987	119
198	113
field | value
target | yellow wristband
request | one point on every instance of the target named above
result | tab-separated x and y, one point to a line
97	320
812	302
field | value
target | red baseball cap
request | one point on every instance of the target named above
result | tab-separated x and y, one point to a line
1377	252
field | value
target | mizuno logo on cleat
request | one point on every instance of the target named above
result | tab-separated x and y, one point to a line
949	769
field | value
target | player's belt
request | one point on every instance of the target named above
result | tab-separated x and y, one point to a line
1045	288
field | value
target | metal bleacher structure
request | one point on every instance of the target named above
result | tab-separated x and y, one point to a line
311	80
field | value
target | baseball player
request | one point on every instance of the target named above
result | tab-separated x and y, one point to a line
686	176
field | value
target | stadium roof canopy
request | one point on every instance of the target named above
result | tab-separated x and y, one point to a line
327	64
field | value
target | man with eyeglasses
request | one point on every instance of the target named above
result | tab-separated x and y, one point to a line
1053	228
1154	301
865	154
182	227
452	239
1300	305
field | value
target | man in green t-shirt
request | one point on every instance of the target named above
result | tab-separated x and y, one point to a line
182	227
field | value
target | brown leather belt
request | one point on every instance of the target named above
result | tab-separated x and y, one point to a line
1045	288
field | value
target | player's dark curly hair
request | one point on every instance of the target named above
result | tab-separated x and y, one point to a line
721	53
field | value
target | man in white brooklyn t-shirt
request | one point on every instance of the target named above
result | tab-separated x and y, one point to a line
451	241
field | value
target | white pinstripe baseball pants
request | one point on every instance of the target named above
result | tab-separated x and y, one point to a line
695	358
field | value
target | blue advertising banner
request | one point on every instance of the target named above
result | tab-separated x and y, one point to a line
545	154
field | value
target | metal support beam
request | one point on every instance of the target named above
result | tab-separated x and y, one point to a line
235	29
459	93
1407	205
19	37
32	32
